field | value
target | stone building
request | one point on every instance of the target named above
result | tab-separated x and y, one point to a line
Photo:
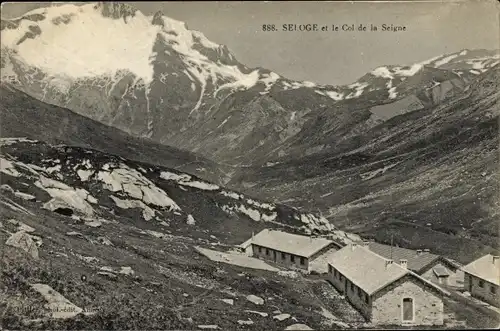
386	293
482	279
290	250
436	268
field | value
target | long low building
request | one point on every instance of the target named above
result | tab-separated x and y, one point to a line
287	249
433	267
386	293
482	279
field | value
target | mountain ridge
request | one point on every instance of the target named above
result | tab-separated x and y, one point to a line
167	86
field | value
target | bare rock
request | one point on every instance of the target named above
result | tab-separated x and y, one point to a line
281	317
25	196
190	220
104	241
228	301
257	312
93	224
288	274
127	271
245	322
208	327
58	305
23	241
109	275
21	226
75	234
255	299
298	327
6	188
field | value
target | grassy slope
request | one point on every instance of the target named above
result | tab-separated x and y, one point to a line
153	298
436	166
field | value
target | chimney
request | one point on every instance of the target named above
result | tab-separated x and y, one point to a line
495	259
388	263
404	263
419	252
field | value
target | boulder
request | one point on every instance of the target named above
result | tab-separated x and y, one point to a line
281	317
190	220
255	299
75	234
58	305
288	274
21	226
7	188
93	224
23	241
208	327
298	327
25	196
127	271
104	241
228	301
247	322
256	312
109	275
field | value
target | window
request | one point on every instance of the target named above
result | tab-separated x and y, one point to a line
481	283
407	309
302	261
330	269
335	273
493	289
352	287
367	298
283	256
267	251
360	293
292	258
260	249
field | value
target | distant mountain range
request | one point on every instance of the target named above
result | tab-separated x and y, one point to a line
406	148
152	77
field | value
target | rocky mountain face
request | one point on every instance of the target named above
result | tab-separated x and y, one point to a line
88	184
151	76
429	176
24	116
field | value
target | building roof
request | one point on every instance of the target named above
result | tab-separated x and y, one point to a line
245	244
440	271
416	262
486	267
370	271
290	243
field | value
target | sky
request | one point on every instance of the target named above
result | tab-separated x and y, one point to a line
432	29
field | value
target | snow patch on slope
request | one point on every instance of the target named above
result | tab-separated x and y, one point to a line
446	60
133	183
147	212
359	88
185	180
66	49
64	195
7	167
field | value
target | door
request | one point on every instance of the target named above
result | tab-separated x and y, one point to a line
407	309
469	279
274	256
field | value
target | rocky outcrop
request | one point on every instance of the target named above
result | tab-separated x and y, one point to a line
23	240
